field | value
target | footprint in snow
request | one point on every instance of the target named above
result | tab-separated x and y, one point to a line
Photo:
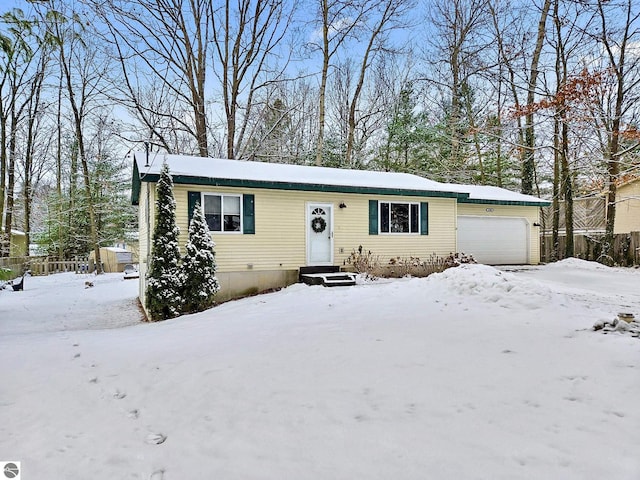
119	395
155	438
133	414
617	414
157	475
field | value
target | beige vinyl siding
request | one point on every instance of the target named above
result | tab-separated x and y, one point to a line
532	214
281	229
146	208
441	239
628	208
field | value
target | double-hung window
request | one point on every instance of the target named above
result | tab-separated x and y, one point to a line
397	217
223	212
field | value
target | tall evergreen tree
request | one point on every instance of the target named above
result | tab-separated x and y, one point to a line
164	299
199	266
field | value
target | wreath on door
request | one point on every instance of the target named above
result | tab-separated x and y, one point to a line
318	224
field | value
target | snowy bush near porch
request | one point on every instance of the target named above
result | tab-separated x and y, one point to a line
369	266
199	266
163	296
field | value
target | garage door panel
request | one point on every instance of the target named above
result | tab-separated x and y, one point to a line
494	240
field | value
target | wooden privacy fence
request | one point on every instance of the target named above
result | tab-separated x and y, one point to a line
46	265
15	264
626	248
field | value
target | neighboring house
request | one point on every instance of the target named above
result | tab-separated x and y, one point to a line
268	220
18	244
114	259
628	207
589	216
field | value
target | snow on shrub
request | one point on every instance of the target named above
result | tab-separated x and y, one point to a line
199	266
163	297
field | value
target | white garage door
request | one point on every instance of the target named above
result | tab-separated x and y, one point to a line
494	240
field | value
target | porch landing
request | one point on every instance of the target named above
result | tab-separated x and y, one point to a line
328	276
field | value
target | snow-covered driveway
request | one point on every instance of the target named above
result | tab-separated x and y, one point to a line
475	373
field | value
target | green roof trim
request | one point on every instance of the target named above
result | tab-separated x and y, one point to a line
541	203
306	187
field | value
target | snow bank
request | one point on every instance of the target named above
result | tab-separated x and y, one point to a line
576	263
491	285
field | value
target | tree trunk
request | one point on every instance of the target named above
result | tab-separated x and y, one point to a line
555	205
387	14
323	81
504	60
476	141
454	115
3	173
567	185
528	151
59	171
613	152
77	117
27	187
11	176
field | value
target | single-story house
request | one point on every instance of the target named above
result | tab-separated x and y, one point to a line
269	220
628	207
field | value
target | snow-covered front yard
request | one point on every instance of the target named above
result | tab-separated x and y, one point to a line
475	373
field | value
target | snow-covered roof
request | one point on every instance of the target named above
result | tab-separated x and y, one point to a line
190	169
485	192
117	249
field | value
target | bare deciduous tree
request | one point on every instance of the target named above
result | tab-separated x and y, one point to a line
337	21
618	41
246	36
161	44
386	16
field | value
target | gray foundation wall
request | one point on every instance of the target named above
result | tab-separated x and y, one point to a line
240	284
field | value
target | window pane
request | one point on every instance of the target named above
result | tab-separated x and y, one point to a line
415	218
212	212
384	217
231	207
400	217
212	204
232	223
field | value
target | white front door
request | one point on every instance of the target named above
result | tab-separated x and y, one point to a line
319	234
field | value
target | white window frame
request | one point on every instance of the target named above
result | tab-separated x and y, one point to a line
390	202
222	197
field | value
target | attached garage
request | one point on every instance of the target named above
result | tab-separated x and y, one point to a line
495	240
499	227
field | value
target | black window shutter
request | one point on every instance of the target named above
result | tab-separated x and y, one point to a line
424	218
373	217
248	214
192	199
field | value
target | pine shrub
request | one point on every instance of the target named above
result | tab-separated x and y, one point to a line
199	266
164	278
